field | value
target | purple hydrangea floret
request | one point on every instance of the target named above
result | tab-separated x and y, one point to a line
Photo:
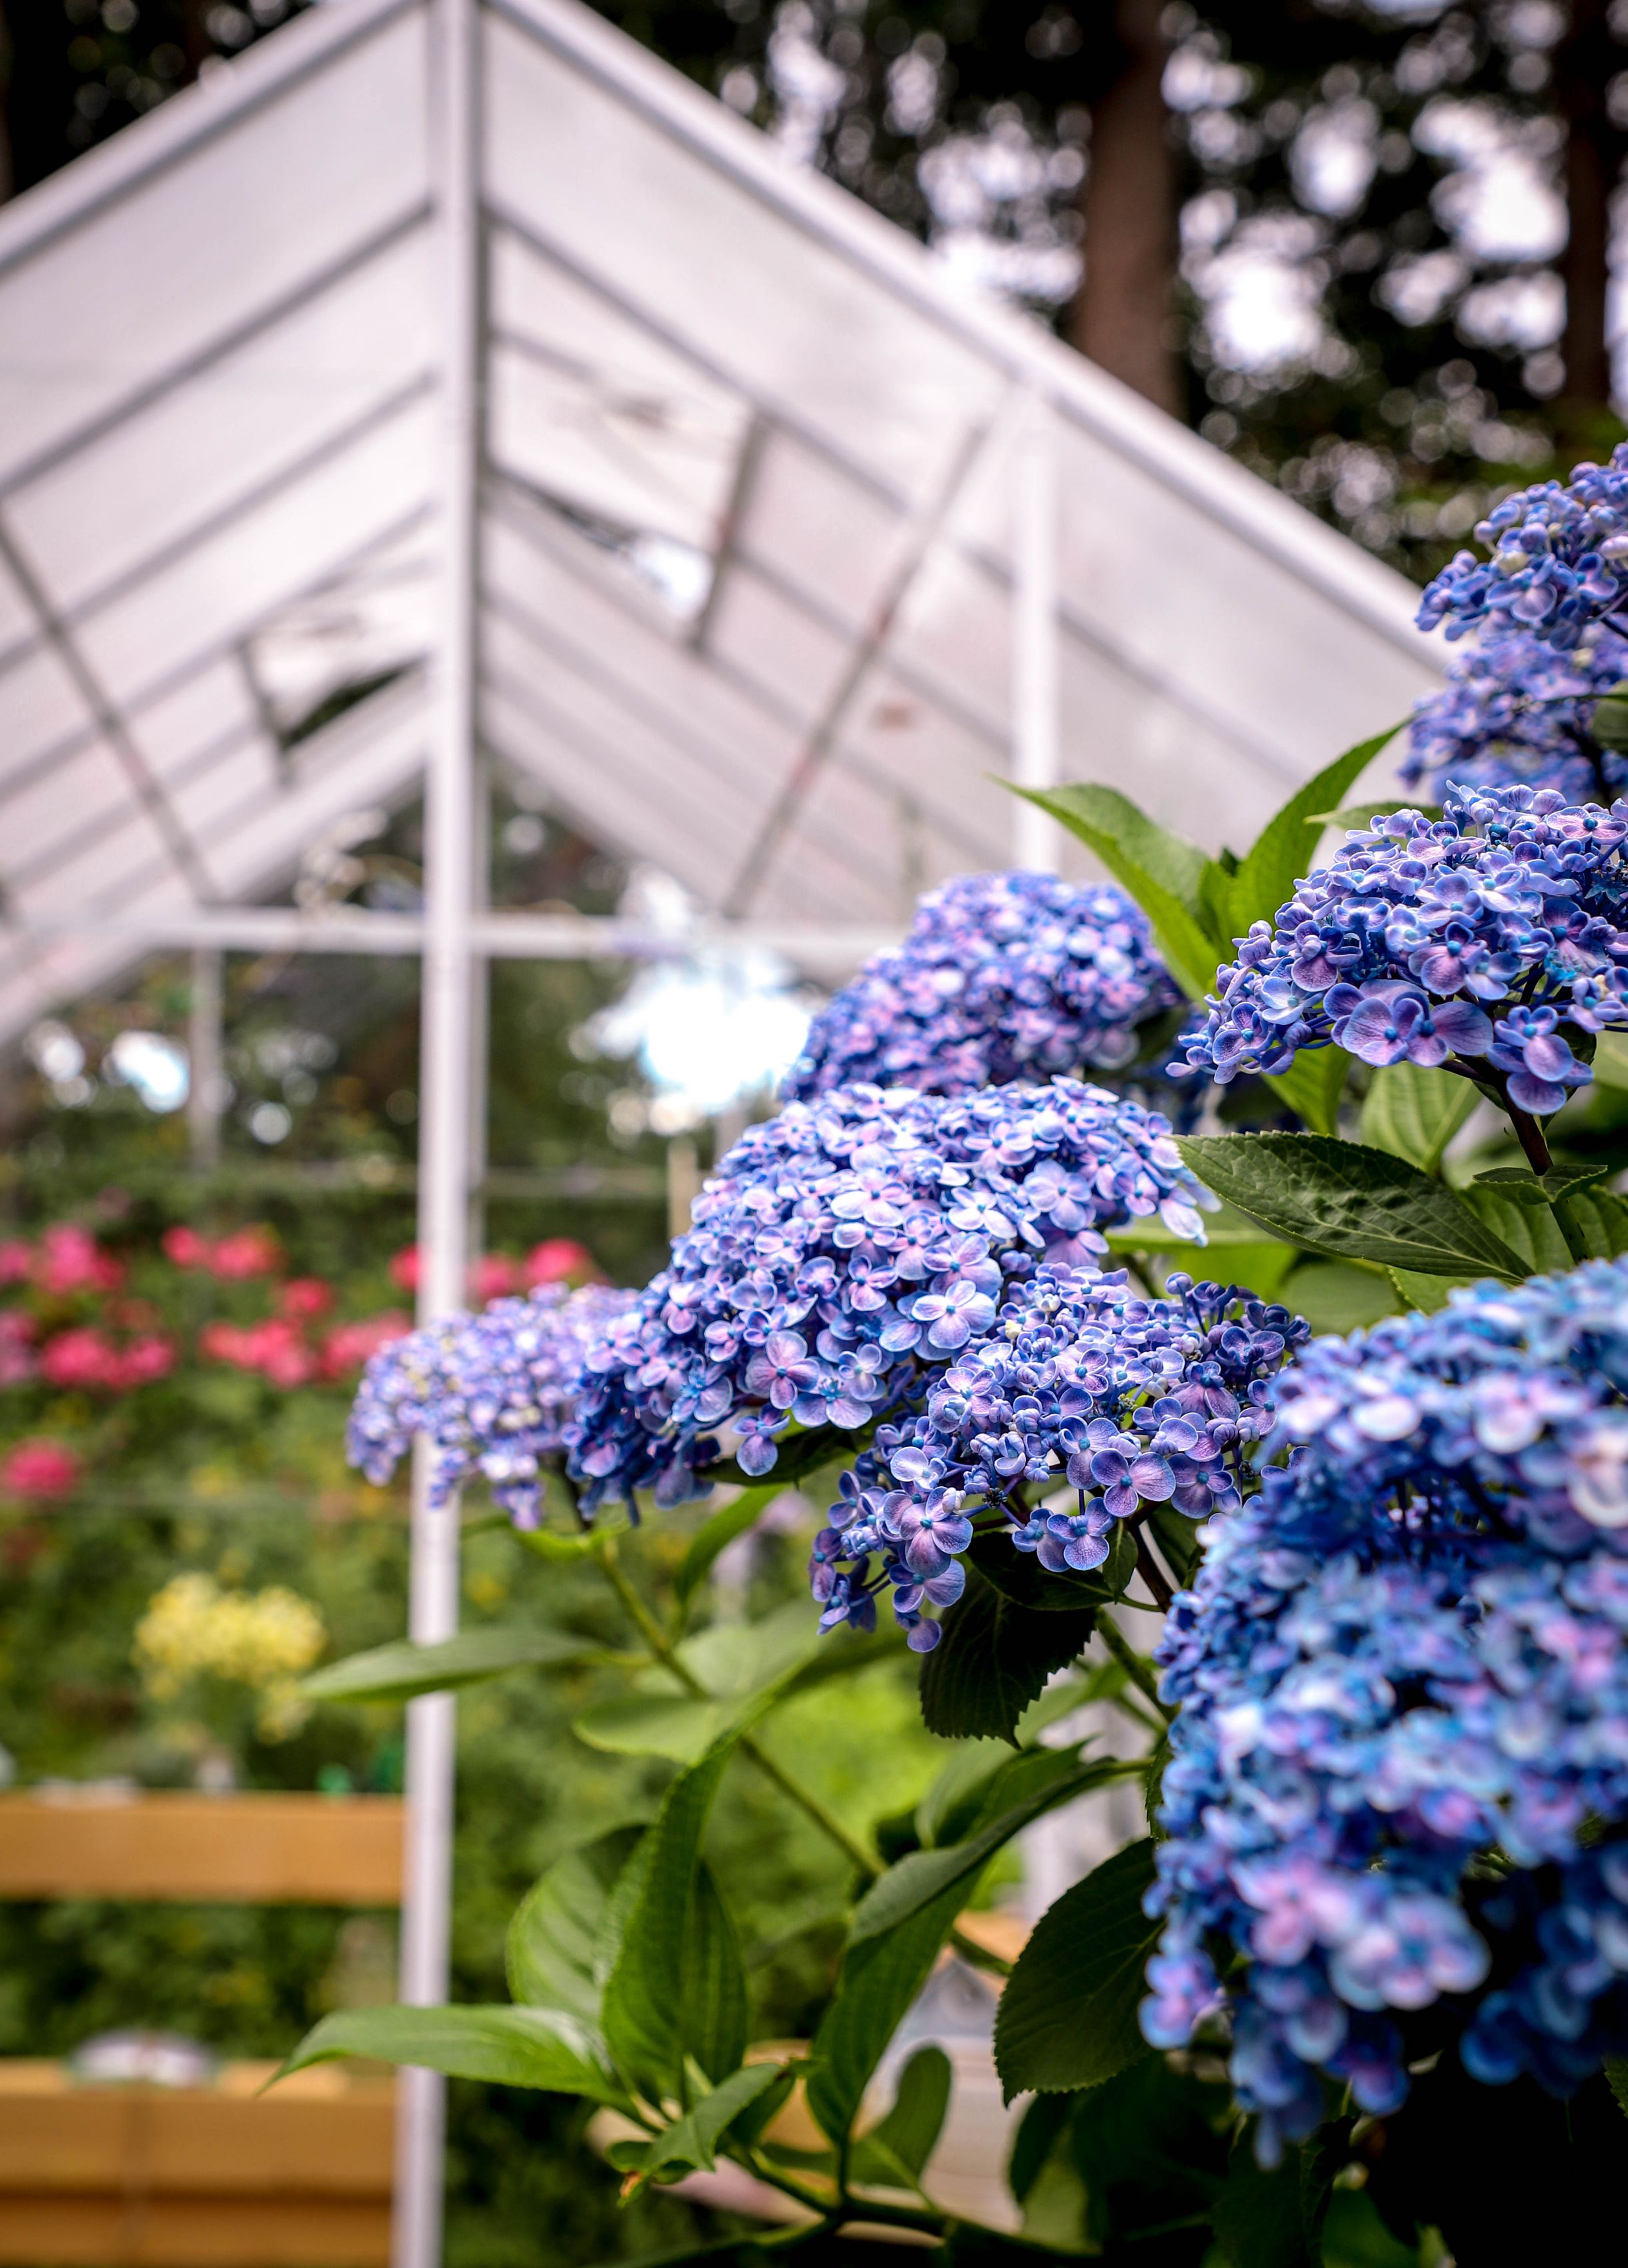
847	1248
1083	1402
1399	1771
1425	938
1559	564
1513	713
1002	976
491	1392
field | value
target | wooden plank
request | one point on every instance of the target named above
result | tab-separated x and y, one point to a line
137	2232
333	2142
254	1849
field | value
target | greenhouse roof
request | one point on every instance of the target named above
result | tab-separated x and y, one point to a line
746	536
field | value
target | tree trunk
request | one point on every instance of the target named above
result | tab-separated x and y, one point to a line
1121	314
1586	59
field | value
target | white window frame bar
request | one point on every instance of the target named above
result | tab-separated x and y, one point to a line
1036	840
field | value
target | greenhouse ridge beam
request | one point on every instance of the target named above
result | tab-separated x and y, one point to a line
497	935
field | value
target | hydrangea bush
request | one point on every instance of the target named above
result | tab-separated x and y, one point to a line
1400	1753
844	1249
1081	1404
1474	940
492	1394
1516	713
1385	1740
1002	976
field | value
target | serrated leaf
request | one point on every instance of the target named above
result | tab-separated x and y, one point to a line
518	2047
1312	1086
1350	1202
716	1533
713	2024
1616	2068
1525	1221
994	1658
400	1671
1282	853
875	1985
1032	1784
1414	1113
1608	725
1600	1220
1170	898
693	2140
898	2146
1020	1577
643	2003
1068	2015
549	1953
1426	1295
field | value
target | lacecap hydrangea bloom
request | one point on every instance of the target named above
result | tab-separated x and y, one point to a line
1002	977
492	1394
1558	564
1399	1771
1094	1397
843	1248
1514	712
1479	935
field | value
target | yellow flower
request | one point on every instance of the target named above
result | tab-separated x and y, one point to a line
263	1639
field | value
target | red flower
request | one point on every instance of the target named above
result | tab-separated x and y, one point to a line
492	1277
560	1260
305	1297
404	1267
349	1345
251	1252
70	1260
41	1470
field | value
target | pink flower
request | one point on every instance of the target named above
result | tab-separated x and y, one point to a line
251	1252
305	1297
404	1269
80	1358
142	1362
493	1276
17	1359
559	1260
349	1345
186	1247
39	1470
16	1260
70	1260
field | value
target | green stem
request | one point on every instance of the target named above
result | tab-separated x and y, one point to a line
655	1638
1136	1667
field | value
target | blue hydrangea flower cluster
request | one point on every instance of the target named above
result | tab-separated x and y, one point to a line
1559	562
491	1392
1514	712
1480	934
1100	1399
845	1248
1400	1765
1002	977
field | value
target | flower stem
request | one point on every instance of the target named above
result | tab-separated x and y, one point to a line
1136	1665
650	1630
1495	1084
1151	1573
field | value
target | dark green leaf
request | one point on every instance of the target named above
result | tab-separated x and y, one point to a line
1349	1202
1414	1113
799	1451
1167	891
896	2149
674	1725
952	1804
1320	2160
1616	2068
1426	1295
1610	722
518	2047
643	1995
1150	2145
1312	1086
714	2018
875	1985
1598	1219
1258	2221
399	1671
1038	2130
1283	852
693	2140
549	1953
994	1658
1068	2015
1526	1222
1362	814
1020	1577
717	1532
1033	1782
1177	1538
